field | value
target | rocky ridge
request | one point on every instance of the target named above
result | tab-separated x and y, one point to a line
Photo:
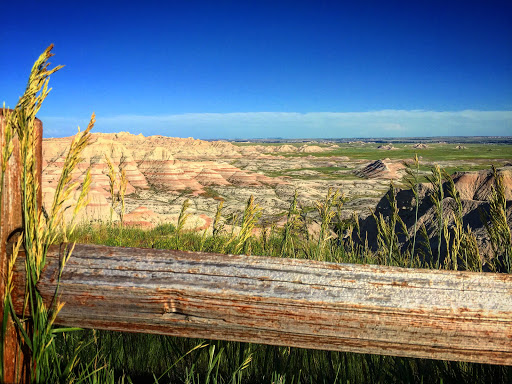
162	172
474	189
382	169
155	163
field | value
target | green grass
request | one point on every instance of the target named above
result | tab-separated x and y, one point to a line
140	356
435	152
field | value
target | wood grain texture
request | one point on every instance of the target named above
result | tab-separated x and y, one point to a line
359	308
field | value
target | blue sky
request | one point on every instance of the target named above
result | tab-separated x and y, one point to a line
246	69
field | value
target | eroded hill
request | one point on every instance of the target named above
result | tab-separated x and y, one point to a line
162	172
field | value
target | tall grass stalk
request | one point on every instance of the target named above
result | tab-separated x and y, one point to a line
112	182
471	257
182	219
326	210
387	237
453	252
66	186
427	248
123	181
37	331
217	221
437	197
81	203
287	246
412	181
497	226
251	216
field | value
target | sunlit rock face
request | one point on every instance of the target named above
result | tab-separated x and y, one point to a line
142	217
382	169
208	177
478	185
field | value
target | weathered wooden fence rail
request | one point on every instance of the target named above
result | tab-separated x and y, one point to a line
405	312
301	303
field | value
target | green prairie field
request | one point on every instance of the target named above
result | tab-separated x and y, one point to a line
434	152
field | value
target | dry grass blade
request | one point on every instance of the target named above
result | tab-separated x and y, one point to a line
497	225
437	197
182	219
123	181
251	215
112	181
217	225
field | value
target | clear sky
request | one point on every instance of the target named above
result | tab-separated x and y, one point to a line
242	69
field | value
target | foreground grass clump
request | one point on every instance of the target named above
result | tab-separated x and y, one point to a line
144	357
249	363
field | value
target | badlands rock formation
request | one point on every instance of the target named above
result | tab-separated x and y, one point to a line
474	189
477	185
386	147
381	169
287	148
162	172
142	217
156	163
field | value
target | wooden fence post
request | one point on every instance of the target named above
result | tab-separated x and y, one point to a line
16	356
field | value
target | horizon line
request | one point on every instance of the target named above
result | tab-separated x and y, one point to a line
377	123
